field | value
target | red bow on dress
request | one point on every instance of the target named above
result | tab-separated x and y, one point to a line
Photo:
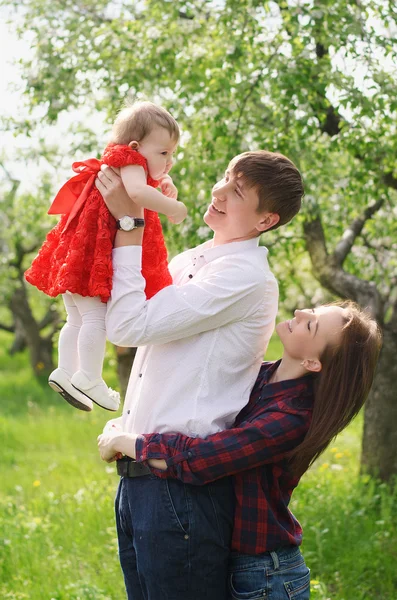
73	194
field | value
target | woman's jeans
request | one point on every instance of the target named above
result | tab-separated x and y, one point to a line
174	538
279	575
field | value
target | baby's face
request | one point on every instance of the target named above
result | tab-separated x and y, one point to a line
158	148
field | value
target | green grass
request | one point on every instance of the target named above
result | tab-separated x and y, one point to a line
57	533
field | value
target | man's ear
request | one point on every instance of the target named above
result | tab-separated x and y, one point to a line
134	145
312	364
267	221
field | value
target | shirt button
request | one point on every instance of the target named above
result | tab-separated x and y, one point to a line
186	536
190	276
140	375
128	412
141	457
189	455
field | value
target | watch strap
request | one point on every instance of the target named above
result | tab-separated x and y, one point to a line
137	222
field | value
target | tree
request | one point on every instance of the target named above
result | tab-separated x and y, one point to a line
316	82
18	239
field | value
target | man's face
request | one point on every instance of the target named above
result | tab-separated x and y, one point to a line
232	214
158	149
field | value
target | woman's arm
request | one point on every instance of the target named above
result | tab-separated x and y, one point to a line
134	180
266	439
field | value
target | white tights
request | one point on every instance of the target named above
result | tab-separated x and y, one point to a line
82	339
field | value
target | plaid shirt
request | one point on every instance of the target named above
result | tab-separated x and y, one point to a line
274	421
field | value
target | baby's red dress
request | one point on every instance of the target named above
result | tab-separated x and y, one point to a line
77	254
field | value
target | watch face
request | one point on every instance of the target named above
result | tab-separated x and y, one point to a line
127	223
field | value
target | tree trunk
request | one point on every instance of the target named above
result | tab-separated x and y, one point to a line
379	454
19	343
125	359
40	349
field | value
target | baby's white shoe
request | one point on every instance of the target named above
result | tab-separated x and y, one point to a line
59	381
96	390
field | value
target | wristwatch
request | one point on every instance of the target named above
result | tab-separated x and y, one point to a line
129	223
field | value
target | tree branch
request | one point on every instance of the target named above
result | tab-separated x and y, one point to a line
183	15
393	319
331	125
8	328
15	183
19	342
50	336
331	119
20	253
333	277
390	180
349	236
51	317
251	90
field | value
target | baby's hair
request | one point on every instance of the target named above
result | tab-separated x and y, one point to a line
137	120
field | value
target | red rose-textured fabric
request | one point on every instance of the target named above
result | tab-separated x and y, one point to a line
77	253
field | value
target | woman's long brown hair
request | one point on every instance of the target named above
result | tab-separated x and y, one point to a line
342	386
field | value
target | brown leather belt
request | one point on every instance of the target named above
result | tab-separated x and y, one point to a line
127	467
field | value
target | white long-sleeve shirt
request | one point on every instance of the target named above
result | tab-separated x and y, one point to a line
203	338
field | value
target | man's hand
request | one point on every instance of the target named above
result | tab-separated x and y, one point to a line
168	188
110	185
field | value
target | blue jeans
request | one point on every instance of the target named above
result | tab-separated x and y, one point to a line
174	538
279	575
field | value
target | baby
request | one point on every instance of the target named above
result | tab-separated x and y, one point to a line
76	257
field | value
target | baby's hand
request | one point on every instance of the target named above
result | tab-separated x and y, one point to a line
168	188
180	213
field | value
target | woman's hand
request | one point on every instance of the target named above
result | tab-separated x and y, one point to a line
106	446
111	187
114	444
158	463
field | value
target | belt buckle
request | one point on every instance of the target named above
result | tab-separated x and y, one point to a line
123	466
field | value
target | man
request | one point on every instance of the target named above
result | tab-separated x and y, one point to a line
204	338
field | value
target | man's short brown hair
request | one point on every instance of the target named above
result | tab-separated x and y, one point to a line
275	179
137	120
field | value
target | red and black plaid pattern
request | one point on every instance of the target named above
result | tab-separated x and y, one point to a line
274	421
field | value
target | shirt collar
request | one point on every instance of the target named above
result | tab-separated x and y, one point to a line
208	253
301	385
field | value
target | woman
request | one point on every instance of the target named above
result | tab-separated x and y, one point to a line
297	406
